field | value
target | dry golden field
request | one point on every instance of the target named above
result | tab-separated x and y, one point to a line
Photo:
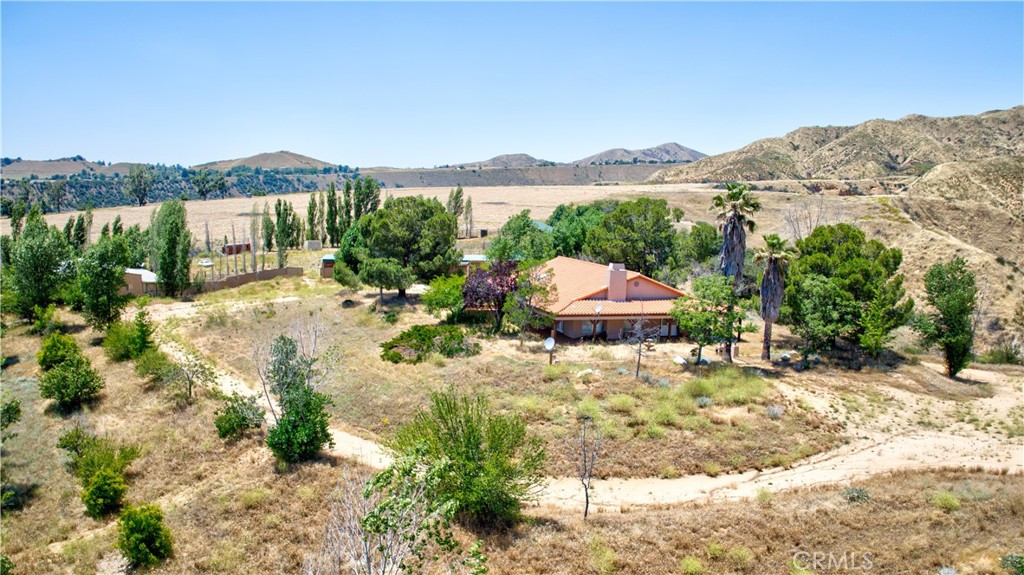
232	510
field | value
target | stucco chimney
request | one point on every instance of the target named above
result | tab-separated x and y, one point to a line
617	282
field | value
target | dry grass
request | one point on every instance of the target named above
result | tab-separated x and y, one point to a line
648	427
746	537
228	507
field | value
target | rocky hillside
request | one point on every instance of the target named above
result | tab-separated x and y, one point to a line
270	161
874	149
663	154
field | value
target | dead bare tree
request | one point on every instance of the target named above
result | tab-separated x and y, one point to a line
384	525
806	215
643	338
589	448
309	334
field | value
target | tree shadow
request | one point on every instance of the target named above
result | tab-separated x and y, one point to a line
8	361
16	496
505	535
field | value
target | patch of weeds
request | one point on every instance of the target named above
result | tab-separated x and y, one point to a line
774	411
602	558
589	407
668	472
690	565
621	403
764	497
653	431
741	557
556	372
712	469
715	550
945	500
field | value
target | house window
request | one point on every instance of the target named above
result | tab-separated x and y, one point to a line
588	327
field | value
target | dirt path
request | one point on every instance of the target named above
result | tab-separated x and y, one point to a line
870	451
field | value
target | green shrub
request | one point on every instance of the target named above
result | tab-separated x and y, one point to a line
497	465
71	383
855	495
142	537
690	565
302	430
126	341
945	500
56	349
103	493
1005	353
238	415
154	365
6	565
88	454
1013	563
46	320
415	343
120	341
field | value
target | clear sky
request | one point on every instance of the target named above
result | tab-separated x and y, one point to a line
424	84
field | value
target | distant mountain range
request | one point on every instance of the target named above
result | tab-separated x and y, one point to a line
870	150
670	153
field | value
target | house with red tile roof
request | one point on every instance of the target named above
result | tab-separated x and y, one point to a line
592	300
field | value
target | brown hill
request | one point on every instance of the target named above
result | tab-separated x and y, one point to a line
508	161
873	149
44	169
269	161
670	152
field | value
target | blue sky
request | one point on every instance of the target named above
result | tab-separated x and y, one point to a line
425	84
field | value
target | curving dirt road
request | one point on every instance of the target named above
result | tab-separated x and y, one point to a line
877	446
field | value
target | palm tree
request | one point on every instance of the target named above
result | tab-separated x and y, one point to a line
775	256
733	211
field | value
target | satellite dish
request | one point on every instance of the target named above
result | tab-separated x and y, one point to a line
597	310
549	344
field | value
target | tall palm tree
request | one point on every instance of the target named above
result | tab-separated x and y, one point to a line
733	210
775	257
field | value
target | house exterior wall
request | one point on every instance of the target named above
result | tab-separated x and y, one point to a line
615	329
639	289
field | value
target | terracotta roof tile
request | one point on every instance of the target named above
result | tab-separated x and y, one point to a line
577	280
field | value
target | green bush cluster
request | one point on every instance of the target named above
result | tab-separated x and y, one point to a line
855	495
142	537
416	343
99	463
496	465
71	383
126	341
302	430
154	365
238	415
56	349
